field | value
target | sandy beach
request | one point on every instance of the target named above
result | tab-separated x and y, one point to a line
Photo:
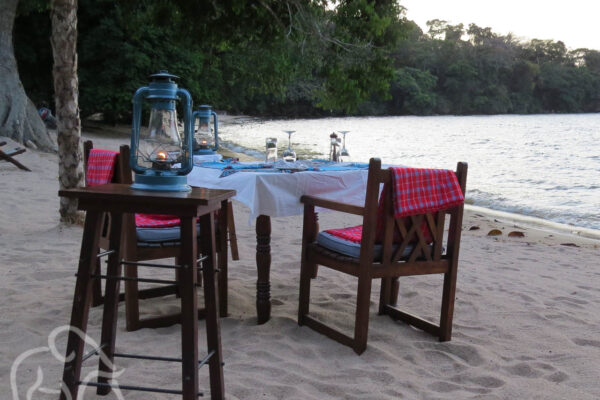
526	322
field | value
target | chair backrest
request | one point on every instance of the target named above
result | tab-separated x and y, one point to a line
400	233
122	174
122	169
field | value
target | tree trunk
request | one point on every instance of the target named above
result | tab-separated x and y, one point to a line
66	90
19	119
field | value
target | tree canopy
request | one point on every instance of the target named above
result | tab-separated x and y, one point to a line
305	58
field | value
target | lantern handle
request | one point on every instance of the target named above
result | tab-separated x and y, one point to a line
138	98
188	128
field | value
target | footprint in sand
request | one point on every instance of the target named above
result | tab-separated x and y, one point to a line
474	384
524	370
557	377
572	300
459	354
587	342
536	370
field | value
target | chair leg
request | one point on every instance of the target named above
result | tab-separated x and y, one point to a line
315	232
389	294
384	295
448	296
224	227
306	273
232	238
97	286
132	301
361	324
394	291
178	276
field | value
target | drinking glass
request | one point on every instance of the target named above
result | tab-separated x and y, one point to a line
344	154
289	155
271	150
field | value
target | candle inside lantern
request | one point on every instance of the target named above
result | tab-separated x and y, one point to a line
161	161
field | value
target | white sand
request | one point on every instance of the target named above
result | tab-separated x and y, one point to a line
526	326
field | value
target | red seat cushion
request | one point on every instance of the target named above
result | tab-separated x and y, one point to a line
156	221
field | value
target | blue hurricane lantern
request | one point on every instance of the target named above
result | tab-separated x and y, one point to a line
160	157
206	140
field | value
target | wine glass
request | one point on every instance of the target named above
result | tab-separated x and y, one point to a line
271	150
344	155
289	155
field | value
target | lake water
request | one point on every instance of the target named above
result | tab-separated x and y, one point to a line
546	166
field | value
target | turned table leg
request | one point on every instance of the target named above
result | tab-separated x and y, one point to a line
263	265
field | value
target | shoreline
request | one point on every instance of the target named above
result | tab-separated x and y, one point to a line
99	132
537	223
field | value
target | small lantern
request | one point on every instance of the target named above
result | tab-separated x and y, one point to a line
160	157
206	140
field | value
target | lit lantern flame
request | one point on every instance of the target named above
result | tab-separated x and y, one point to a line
161	156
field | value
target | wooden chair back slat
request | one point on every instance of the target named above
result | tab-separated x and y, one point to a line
370	216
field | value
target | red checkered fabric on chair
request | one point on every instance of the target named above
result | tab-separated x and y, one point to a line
420	190
416	191
100	167
352	234
156	221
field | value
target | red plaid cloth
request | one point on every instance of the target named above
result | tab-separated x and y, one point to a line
419	190
352	234
416	191
156	221
100	167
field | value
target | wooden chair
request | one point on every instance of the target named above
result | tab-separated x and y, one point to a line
9	154
134	250
407	253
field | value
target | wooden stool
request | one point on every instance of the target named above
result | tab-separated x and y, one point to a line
118	199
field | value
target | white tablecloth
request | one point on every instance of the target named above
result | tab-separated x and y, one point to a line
278	194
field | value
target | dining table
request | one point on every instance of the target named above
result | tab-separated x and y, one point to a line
274	190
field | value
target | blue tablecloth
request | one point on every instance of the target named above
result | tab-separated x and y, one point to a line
230	167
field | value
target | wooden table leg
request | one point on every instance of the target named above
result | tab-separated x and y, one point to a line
189	307
81	305
111	305
211	304
263	265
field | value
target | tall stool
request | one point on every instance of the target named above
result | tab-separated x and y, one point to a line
118	199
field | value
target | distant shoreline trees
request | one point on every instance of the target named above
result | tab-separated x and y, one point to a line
298	58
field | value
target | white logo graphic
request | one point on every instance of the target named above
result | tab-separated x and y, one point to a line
37	385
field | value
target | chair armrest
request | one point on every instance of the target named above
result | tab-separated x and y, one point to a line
332	205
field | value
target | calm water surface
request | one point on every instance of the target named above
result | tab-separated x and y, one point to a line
546	166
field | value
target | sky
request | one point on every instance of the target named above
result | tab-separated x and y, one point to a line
575	22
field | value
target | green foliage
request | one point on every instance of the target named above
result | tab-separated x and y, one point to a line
359	64
33	51
412	92
304	58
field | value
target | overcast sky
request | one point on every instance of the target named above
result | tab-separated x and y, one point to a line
575	22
